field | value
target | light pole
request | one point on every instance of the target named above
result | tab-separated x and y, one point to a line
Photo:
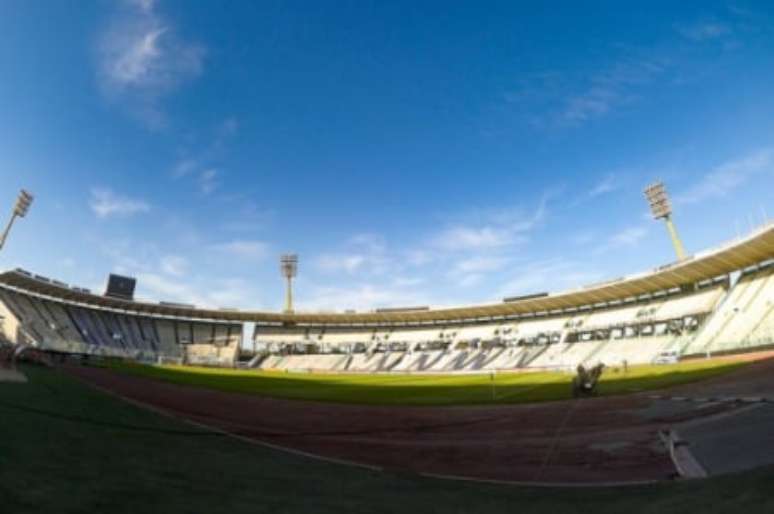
20	209
662	209
289	269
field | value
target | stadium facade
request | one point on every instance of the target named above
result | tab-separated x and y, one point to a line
716	301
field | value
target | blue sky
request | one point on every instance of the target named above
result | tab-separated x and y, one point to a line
412	153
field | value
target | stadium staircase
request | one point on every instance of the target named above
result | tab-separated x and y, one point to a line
766	319
707	331
392	366
596	351
256	361
531	355
747	298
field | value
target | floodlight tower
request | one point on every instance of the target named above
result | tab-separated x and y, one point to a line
20	209
289	269
662	209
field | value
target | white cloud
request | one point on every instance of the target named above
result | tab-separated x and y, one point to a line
474	238
549	275
249	217
490	229
362	297
208	181
174	265
227	128
609	89
67	262
245	249
471	270
184	167
470	280
481	264
141	58
704	31
363	254
582	238
629	236
605	186
723	179
143	5
105	203
161	288
332	263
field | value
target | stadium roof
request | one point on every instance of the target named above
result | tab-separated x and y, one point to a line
756	248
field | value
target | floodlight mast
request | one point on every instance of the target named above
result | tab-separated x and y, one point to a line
289	269
661	208
20	210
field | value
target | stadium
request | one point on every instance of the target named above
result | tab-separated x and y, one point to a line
386	257
684	352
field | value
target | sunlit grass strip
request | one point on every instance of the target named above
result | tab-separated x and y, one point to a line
460	389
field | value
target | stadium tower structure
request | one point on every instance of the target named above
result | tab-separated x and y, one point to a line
289	269
662	209
20	210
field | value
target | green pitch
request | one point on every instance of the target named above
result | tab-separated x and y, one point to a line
386	389
67	448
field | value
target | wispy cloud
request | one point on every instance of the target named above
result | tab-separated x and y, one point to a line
475	238
245	249
166	275
174	265
471	271
363	254
604	186
490	229
728	176
105	203
363	296
627	237
703	31
567	98
142	58
200	165
548	275
184	167
208	181
610	89
248	217
630	236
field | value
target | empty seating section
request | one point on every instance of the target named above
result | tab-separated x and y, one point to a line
220	335
725	314
633	331
212	344
63	327
742	320
184	332
377	361
614	317
167	338
11	328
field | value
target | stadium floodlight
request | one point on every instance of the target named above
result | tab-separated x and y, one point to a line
20	210
661	208
289	269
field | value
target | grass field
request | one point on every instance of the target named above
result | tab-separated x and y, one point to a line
385	389
66	448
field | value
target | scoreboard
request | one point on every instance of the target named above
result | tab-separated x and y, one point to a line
121	287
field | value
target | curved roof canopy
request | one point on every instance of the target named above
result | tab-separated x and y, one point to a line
736	255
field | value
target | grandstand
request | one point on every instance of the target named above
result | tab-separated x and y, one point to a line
719	301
